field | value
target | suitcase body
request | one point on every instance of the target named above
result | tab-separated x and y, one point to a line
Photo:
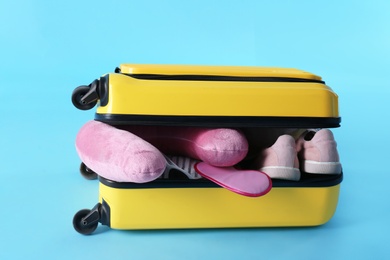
247	97
162	205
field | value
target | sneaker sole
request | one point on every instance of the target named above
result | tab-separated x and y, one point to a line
280	172
186	164
321	167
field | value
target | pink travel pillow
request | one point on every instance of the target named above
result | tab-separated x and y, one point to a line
135	153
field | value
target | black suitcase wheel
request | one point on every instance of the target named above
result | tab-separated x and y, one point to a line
87	173
78	94
81	224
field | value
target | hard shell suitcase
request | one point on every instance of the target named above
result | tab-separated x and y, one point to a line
212	96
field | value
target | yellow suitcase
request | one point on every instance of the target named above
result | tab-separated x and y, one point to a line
214	96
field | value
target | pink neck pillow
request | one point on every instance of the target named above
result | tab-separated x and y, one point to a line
135	153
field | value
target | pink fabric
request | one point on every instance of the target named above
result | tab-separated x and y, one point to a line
118	155
321	148
280	161
218	147
318	153
282	153
249	183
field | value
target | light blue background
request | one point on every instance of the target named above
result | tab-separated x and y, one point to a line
47	48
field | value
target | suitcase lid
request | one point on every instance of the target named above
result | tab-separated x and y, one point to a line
212	96
231	71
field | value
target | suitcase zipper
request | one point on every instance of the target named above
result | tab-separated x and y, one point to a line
220	78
